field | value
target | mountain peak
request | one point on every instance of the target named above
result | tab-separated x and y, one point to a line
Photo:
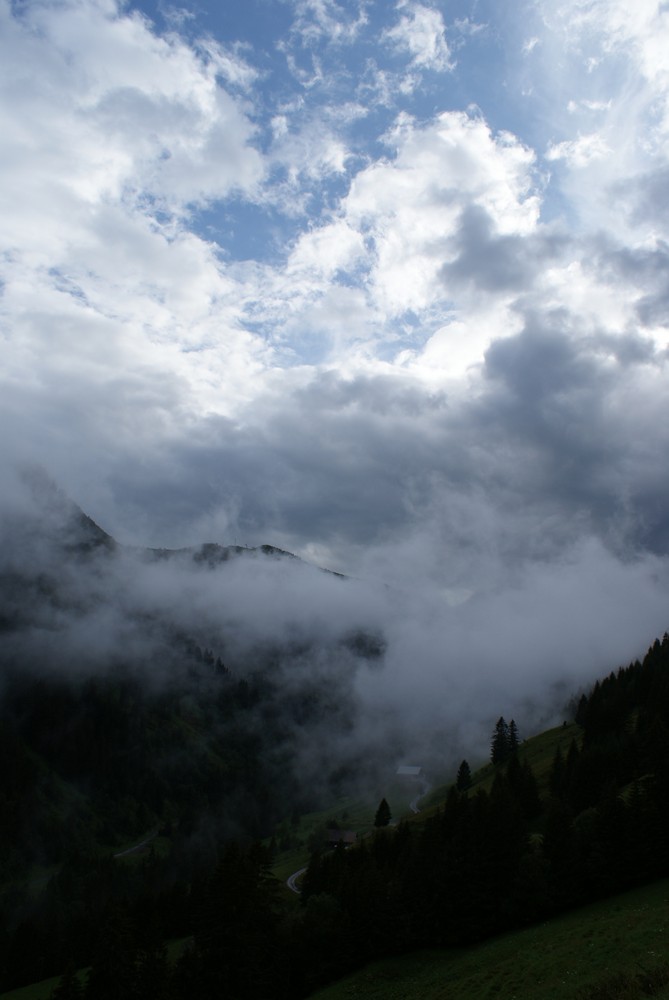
60	517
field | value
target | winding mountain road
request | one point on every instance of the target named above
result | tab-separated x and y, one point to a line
137	847
291	881
425	788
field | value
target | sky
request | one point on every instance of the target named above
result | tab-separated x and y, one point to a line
382	284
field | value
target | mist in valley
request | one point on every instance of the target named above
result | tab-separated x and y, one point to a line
399	670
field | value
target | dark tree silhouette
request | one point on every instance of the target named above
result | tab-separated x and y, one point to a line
500	746
464	778
383	814
556	777
69	987
514	740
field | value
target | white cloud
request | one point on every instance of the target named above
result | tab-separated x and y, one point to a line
324	251
228	63
580	152
116	315
456	349
309	148
325	19
607	59
350	282
391	239
311	152
410	205
466	26
114	111
420	32
619	25
575	106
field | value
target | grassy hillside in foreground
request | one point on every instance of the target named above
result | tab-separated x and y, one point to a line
562	959
44	989
38	991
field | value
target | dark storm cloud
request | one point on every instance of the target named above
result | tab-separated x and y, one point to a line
496	263
646	271
627	348
588	428
562	428
333	451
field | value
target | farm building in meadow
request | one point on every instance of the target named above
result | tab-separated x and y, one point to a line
409	771
345	837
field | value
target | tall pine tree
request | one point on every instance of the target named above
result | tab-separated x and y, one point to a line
500	746
464	778
514	739
383	814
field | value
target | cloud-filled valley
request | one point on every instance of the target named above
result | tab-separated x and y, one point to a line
411	669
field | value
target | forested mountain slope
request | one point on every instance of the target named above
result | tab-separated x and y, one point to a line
490	861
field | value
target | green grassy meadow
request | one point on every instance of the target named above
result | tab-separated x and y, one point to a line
562	959
43	990
38	991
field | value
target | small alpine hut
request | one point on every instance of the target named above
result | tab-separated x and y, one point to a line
409	772
345	837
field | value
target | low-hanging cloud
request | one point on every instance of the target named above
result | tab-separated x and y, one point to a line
417	666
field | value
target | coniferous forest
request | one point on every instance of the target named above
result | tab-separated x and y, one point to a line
484	862
489	862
